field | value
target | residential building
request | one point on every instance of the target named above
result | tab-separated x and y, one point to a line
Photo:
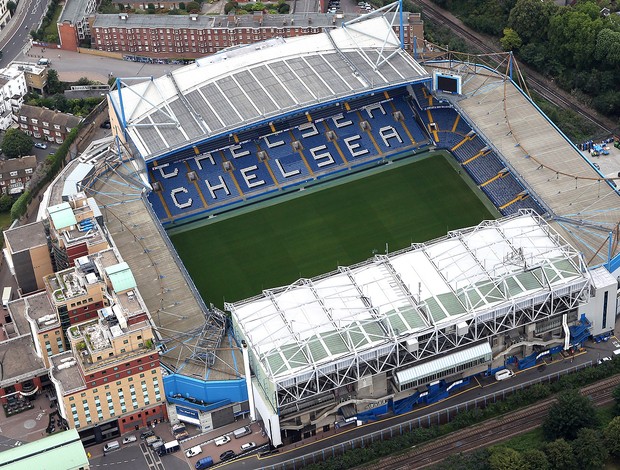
75	230
36	75
73	26
43	123
15	173
199	35
28	255
5	14
13	88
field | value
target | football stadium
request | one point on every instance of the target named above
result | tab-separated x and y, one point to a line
369	225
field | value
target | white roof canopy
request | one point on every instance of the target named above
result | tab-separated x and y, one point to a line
236	88
400	296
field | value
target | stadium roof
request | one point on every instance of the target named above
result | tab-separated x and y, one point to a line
585	208
469	273
258	82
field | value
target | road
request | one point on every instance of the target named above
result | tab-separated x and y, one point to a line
15	37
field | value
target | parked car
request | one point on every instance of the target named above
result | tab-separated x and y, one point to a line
194	451
220	441
229	454
146	434
503	374
604	359
40	145
248	446
128	439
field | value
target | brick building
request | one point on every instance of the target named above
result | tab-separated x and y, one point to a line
113	370
15	173
199	35
43	123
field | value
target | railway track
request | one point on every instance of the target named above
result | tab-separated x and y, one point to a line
491	432
535	81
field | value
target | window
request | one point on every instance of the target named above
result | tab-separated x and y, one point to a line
13	173
28	171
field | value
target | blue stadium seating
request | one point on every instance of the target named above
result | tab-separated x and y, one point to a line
421	95
483	168
503	190
527	203
447	140
250	173
346	126
321	155
469	149
283	165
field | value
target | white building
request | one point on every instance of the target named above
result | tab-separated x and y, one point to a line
13	88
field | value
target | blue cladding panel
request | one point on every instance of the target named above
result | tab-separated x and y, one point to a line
210	391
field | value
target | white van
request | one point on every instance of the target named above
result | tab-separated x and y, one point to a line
111	447
617	352
220	441
244	431
503	374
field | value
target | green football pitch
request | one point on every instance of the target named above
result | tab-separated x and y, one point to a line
273	246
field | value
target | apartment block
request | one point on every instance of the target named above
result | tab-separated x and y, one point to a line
199	35
75	230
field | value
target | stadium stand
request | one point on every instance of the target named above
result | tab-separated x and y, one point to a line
483	168
265	158
503	189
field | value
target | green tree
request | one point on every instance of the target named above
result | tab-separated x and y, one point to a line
182	6
568	415
608	46
11	6
6	202
284	8
230	6
534	459
16	143
511	40
530	19
611	435
505	458
193	7
54	85
589	449
560	455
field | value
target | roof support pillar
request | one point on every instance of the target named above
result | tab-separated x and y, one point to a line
248	380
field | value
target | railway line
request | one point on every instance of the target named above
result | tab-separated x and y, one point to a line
491	432
535	81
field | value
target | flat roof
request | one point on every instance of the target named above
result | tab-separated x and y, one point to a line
26	236
121	277
254	83
66	371
58	451
19	361
39	309
406	294
62	215
302	20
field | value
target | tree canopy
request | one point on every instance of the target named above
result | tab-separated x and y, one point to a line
568	415
16	143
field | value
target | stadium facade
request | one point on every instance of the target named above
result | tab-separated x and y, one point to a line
397	330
